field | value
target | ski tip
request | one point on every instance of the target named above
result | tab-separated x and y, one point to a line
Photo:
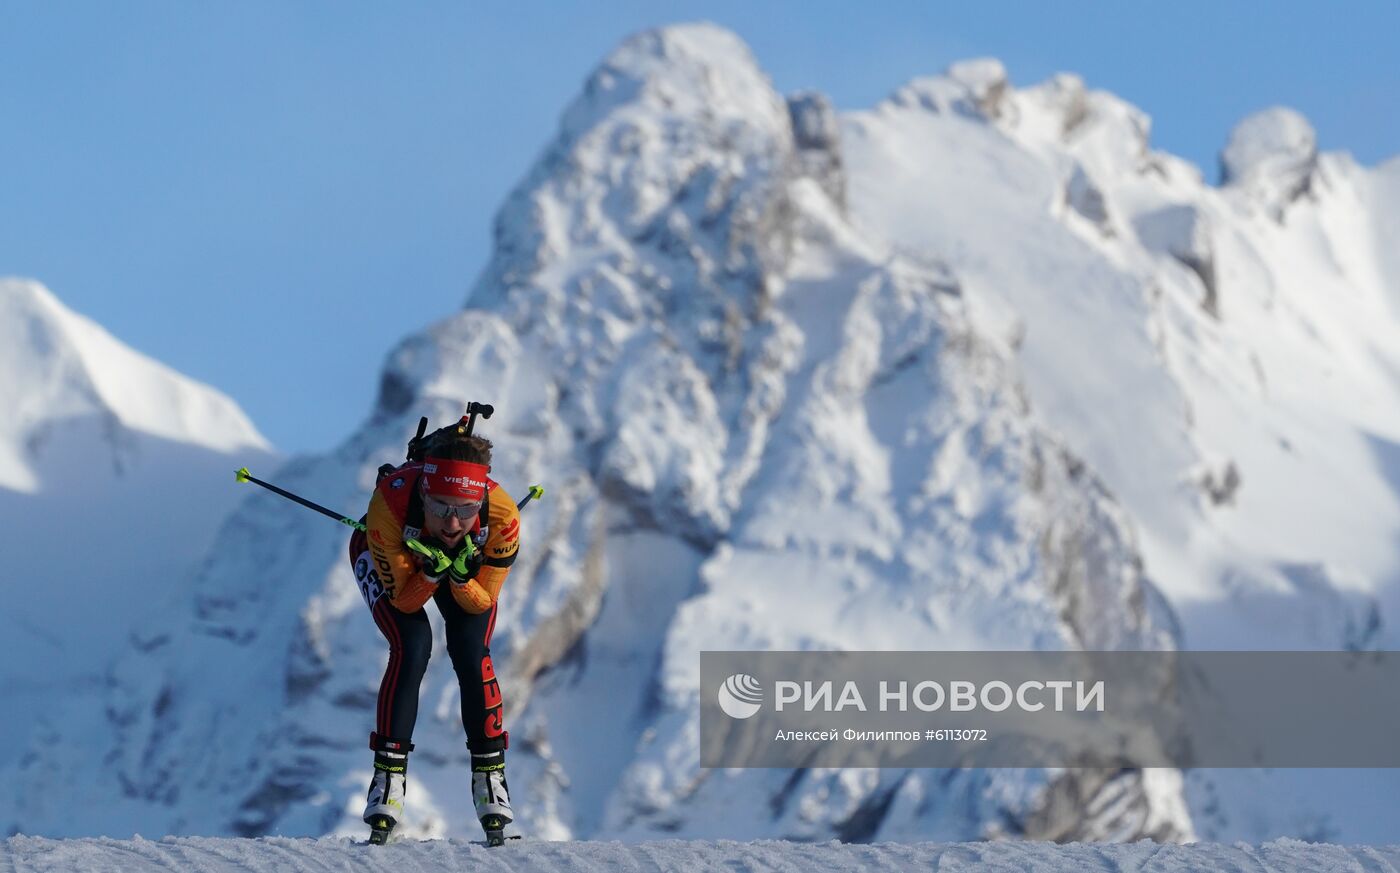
536	492
241	474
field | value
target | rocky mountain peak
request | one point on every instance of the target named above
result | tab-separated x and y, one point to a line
1272	156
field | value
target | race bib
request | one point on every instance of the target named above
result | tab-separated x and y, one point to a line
371	589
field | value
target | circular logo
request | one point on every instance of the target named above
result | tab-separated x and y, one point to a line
362	569
740	696
397	483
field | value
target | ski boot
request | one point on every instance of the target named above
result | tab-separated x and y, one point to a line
492	798
381	827
384	805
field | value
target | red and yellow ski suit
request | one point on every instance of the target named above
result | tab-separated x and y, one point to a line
396	591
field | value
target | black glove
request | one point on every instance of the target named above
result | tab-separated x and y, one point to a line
458	563
434	558
465	564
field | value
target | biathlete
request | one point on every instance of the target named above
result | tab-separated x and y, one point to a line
438	529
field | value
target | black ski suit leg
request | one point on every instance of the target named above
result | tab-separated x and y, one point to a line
410	640
469	646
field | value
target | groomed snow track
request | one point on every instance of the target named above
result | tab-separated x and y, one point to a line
214	855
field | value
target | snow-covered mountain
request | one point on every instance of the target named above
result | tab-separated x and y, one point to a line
1225	358
114	477
63	373
973	369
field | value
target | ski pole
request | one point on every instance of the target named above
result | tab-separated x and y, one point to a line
535	491
242	475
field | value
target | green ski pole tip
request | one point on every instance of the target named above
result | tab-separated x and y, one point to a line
536	491
242	474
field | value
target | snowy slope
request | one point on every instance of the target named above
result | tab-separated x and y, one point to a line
114	478
973	369
204	855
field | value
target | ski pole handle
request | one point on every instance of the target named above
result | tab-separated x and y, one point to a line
437	558
439	562
431	553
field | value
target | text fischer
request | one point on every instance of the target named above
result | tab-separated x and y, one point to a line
928	696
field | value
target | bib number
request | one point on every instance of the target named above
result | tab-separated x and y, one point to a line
371	589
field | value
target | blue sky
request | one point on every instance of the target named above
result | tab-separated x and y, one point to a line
268	196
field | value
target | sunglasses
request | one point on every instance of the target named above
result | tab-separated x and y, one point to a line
436	508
